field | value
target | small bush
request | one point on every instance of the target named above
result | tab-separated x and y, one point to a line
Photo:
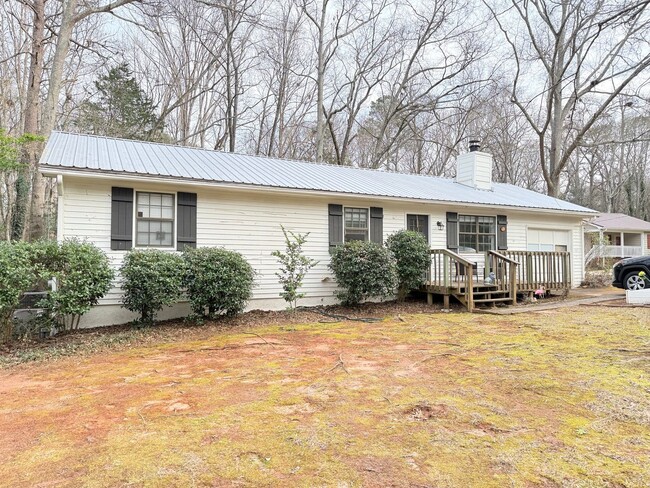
151	280
597	279
217	280
83	276
294	265
16	277
413	258
363	270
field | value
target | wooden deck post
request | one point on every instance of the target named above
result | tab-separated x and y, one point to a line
445	302
429	298
513	283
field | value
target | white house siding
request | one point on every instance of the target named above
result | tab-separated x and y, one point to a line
249	222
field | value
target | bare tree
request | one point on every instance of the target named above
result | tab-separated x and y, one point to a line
586	53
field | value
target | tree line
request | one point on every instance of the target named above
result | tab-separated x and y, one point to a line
557	90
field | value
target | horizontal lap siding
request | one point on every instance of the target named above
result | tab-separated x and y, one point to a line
249	222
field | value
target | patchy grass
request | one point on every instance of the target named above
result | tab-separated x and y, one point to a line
557	398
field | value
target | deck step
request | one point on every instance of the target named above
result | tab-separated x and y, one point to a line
493	300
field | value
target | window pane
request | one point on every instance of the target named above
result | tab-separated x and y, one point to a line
143	226
155	212
155	199
167	213
486	243
351	236
143	198
167	200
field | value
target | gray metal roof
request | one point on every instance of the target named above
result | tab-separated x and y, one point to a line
619	221
120	156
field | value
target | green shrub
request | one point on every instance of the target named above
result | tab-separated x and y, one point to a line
294	265
363	270
217	280
413	258
83	276
16	277
151	280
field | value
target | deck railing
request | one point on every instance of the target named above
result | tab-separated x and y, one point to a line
451	271
548	270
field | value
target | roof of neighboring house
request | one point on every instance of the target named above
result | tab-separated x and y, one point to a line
66	151
619	221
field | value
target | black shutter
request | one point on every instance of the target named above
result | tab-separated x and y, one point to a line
452	231
335	225
377	225
502	232
121	218
186	221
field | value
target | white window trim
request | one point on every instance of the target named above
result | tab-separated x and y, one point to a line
343	221
134	230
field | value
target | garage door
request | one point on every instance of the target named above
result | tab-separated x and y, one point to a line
548	240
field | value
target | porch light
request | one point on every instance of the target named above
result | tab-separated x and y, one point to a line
440	225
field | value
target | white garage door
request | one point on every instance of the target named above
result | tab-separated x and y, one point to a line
548	240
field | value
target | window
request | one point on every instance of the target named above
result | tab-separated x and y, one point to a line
418	223
476	234
355	224
154	220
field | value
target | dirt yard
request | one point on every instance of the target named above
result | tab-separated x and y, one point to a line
556	398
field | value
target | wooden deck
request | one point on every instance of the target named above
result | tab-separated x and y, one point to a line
496	276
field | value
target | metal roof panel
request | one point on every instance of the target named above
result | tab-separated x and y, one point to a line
86	152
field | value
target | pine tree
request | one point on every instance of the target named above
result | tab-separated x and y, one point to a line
122	108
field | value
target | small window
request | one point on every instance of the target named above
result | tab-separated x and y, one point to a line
418	223
356	224
477	234
154	220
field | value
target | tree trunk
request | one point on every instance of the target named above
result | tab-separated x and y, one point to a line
30	156
38	204
320	81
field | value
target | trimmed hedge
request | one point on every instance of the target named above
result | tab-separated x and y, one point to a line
83	276
16	277
82	272
218	281
363	270
413	259
151	280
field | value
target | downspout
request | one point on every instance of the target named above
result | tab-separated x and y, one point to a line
59	208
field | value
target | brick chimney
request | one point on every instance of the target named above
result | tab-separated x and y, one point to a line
474	168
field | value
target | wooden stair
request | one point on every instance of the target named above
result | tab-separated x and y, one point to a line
485	295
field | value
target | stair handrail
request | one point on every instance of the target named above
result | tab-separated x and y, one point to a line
468	273
511	284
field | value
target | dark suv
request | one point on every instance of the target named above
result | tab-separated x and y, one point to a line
626	273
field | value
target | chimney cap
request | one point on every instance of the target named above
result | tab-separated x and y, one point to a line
474	145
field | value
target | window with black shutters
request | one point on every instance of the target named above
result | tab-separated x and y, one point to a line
355	224
476	233
154	219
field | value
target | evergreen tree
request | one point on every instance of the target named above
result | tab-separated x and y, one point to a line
122	108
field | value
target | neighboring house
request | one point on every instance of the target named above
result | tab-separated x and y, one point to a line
123	194
616	235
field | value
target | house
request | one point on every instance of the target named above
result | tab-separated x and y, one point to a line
616	235
124	194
